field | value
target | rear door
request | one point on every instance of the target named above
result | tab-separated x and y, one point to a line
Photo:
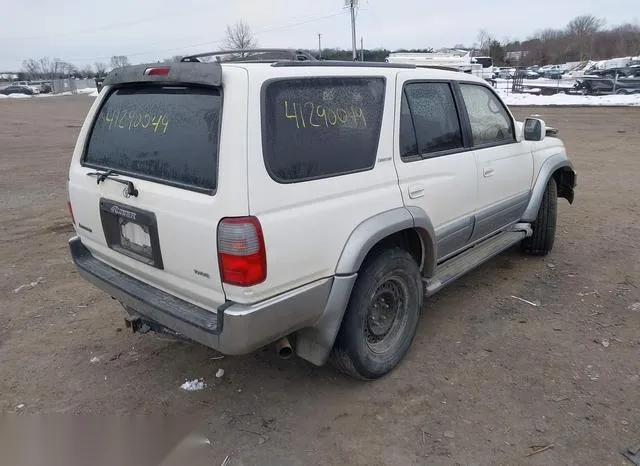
166	138
436	168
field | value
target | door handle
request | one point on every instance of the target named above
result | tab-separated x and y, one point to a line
416	191
488	172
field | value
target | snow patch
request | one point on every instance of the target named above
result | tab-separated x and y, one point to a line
194	385
632	100
87	90
15	96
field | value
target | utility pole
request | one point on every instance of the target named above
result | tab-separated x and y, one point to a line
352	6
361	48
319	46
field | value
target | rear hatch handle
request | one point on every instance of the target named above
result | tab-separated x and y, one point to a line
102	176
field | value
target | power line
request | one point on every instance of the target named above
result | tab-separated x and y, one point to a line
172	14
218	41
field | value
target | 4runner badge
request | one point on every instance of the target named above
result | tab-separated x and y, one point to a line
122	213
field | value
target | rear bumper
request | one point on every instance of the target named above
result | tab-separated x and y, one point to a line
232	329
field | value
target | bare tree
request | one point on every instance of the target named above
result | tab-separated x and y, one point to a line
50	67
101	68
583	30
584	25
31	68
87	72
239	36
119	61
484	40
45	67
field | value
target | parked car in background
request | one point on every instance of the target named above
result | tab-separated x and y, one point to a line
551	71
34	87
531	73
46	88
18	89
504	72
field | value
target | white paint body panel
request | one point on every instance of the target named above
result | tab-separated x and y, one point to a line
504	172
305	225
187	221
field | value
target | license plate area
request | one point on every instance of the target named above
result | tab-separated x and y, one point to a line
132	232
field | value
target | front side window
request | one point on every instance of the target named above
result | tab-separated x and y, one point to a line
429	110
490	122
320	127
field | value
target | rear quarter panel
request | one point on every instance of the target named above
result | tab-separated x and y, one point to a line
306	225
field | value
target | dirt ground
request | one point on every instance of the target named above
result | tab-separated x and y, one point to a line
488	377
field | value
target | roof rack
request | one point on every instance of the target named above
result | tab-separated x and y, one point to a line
254	55
346	64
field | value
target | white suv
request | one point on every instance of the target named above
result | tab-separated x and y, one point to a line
305	203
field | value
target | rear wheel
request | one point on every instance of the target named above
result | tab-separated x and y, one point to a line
544	227
382	316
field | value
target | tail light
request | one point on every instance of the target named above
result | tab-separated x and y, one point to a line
241	251
73	220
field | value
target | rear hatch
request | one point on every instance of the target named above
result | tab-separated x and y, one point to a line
144	183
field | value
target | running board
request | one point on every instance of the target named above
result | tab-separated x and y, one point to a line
470	259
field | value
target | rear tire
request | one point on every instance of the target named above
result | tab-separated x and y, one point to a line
382	316
544	227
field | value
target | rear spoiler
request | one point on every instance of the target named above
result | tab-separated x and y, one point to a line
209	74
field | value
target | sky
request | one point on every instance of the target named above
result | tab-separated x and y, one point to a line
84	32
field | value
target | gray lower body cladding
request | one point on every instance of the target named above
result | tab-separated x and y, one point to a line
233	329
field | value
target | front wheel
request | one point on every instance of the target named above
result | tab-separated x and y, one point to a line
382	316
544	227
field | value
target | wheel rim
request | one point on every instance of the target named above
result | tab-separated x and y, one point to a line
386	315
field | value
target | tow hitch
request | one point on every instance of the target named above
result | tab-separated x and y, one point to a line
138	324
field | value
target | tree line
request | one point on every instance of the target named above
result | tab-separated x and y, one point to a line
47	68
584	38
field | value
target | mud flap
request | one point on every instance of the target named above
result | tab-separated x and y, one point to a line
633	454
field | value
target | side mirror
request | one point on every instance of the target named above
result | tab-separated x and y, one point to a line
535	129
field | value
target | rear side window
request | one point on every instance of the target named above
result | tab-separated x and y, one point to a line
429	110
164	134
320	127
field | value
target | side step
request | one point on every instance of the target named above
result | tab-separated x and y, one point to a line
470	259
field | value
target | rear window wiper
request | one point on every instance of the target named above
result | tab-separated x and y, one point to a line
102	176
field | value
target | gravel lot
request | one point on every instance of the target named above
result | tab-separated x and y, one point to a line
489	376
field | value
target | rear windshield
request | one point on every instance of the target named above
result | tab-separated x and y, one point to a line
320	127
165	134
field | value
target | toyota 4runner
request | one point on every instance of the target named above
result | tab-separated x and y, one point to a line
245	202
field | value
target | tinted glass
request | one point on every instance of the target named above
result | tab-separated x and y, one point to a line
320	127
486	62
490	122
160	133
408	141
434	116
